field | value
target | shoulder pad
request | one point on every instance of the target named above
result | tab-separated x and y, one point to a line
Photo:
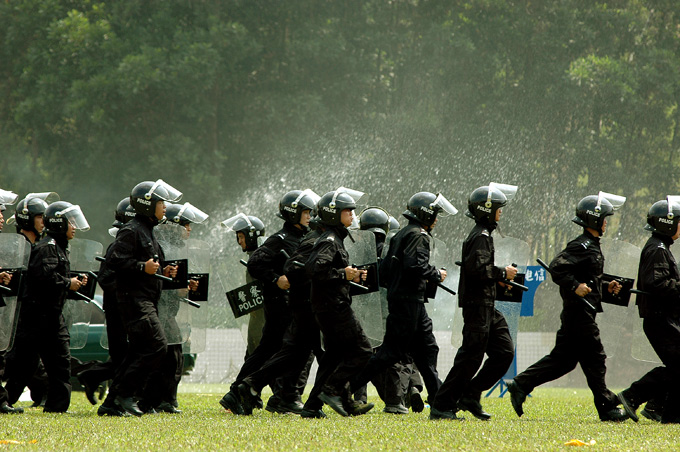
330	238
486	233
585	244
662	245
283	236
423	231
52	242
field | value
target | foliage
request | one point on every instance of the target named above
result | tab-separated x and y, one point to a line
226	100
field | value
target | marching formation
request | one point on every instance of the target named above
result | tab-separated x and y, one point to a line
307	300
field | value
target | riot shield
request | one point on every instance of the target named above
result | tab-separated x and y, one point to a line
77	310
197	319
616	322
15	252
230	274
367	306
507	251
171	309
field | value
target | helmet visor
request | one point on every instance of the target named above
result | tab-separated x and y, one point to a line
165	191
355	194
192	213
673	204
313	199
508	190
48	196
229	223
615	200
76	217
443	205
7	197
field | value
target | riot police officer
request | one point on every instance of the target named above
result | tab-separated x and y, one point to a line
45	334
659	278
578	271
136	257
92	377
266	264
406	272
485	330
248	230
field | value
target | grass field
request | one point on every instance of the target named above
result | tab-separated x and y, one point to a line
552	417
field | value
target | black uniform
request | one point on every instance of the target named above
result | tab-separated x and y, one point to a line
347	348
659	276
408	331
115	331
42	332
302	337
485	330
578	339
36	383
137	293
266	264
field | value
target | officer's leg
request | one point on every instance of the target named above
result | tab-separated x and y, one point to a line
55	354
424	352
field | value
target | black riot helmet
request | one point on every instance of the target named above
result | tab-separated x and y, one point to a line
331	205
663	217
485	201
144	196
183	214
424	207
374	219
26	211
59	214
124	213
592	210
251	227
294	202
394	224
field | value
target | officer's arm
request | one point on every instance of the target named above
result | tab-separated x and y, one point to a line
261	262
656	277
417	258
296	274
562	269
320	267
44	270
122	254
478	261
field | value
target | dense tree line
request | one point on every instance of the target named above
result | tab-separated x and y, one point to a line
236	101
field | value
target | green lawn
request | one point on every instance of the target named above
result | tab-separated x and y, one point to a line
552	417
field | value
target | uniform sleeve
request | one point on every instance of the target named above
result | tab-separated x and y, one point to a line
261	262
657	278
478	261
122	255
43	270
417	258
562	270
296	274
320	267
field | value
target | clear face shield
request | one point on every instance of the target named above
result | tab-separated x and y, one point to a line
113	232
356	195
673	204
443	205
164	191
229	223
192	213
76	217
312	196
615	200
508	190
48	196
7	197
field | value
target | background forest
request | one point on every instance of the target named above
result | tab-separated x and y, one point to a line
235	102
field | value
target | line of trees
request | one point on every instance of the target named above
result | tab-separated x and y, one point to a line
236	101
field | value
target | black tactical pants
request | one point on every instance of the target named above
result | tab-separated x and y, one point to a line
147	346
45	337
291	361
577	342
408	333
347	350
